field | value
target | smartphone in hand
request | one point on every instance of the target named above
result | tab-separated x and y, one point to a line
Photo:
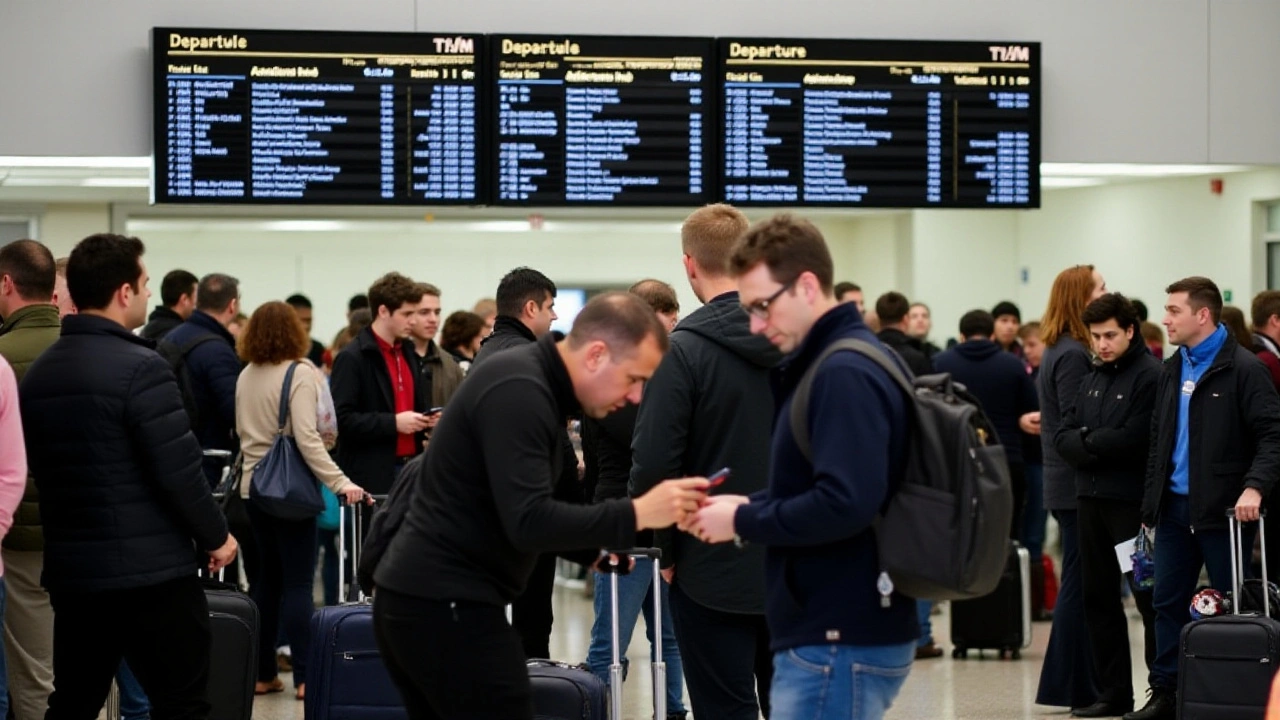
718	477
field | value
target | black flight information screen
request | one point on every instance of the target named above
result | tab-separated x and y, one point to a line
879	123
247	116
592	120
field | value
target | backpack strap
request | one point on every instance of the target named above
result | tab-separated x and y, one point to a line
186	347
801	397
284	396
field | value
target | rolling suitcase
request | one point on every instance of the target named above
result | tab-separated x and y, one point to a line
234	630
1001	620
233	650
569	692
346	678
1227	663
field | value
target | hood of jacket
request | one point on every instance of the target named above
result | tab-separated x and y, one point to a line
977	349
724	322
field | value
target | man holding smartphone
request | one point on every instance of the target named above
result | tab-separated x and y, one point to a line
376	395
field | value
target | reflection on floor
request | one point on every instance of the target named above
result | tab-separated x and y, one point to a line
942	689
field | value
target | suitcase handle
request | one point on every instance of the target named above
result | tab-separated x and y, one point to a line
659	666
355	594
1237	561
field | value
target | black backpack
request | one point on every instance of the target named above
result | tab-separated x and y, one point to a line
387	521
944	533
176	356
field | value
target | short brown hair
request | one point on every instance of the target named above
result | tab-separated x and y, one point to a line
427	289
1152	332
1068	298
485	307
788	246
660	296
1233	318
460	329
392	291
1201	293
621	320
892	307
1028	329
30	267
708	236
274	335
216	291
1265	304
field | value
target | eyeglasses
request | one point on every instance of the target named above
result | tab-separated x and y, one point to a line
760	308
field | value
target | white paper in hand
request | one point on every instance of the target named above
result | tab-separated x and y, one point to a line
1124	553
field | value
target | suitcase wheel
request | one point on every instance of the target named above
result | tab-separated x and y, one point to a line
960	653
1015	654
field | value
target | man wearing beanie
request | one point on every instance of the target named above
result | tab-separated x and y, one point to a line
1008	320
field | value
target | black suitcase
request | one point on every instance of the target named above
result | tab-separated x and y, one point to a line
233	652
1227	663
569	692
1001	620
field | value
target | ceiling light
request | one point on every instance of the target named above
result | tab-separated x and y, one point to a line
23	161
1133	170
1050	183
121	182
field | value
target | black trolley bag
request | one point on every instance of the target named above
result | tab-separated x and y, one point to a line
1227	663
569	692
233	626
998	621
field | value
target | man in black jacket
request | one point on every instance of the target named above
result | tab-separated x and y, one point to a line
1003	386
1105	436
128	516
892	308
708	407
483	508
1215	445
379	404
178	298
526	309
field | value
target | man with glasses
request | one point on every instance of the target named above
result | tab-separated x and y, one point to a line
708	407
843	640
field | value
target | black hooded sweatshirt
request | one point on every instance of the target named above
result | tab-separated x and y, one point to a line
1000	382
709	406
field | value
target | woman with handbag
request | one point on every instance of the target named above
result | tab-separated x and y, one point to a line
279	409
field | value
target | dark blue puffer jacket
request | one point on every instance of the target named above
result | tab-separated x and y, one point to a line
123	499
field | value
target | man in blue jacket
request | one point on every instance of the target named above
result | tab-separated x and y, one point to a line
838	629
212	364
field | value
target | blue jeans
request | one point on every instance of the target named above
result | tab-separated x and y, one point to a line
848	682
1179	555
635	596
134	704
1035	518
924	608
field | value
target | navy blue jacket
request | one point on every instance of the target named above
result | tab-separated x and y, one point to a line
1000	382
214	369
822	559
121	495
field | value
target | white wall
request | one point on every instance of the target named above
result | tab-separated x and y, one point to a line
61	226
331	266
964	260
1143	236
1140	235
1169	81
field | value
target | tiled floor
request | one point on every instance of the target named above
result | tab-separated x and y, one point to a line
942	689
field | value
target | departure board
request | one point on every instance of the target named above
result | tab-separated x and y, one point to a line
248	116
590	120
879	123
